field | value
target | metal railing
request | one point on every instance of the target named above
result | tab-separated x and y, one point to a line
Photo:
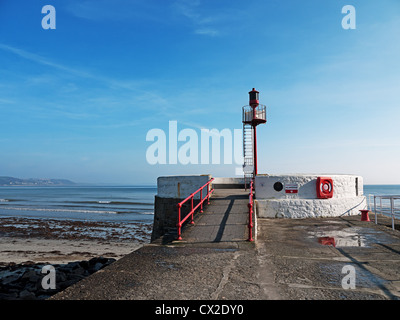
260	114
387	206
250	205
193	208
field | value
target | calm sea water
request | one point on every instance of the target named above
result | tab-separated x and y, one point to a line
382	189
127	203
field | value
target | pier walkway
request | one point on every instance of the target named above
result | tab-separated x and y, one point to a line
287	261
223	222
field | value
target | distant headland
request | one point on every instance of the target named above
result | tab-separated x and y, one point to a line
10	181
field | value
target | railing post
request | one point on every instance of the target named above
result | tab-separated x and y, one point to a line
392	210
179	222
208	193
376	215
250	206
201	200
250	222
191	221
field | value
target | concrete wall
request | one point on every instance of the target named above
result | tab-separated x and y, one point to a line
166	216
347	196
180	187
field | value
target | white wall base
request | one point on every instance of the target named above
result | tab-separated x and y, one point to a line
309	208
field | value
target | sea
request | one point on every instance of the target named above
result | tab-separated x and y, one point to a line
101	203
91	203
379	189
383	190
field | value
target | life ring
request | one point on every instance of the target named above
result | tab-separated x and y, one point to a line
324	188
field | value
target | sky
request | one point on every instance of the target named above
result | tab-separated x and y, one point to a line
78	101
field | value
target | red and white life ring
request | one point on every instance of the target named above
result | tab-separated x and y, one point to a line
324	188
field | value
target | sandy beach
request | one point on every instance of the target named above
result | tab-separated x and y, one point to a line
52	251
75	248
25	240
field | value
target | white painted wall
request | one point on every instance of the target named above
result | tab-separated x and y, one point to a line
344	186
347	197
309	208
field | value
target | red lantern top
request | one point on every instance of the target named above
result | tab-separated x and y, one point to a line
254	98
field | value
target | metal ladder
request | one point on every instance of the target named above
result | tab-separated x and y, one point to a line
248	165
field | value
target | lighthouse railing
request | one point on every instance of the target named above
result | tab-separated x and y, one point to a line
247	113
192	207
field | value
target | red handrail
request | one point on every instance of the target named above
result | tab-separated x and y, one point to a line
193	209
250	205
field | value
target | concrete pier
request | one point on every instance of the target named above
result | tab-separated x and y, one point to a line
287	261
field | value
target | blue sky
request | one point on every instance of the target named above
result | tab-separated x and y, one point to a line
77	102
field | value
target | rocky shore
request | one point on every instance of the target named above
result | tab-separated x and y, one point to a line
74	229
25	281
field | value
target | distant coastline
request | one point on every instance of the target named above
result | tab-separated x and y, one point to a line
11	181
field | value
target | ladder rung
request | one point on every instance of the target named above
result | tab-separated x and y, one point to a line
248	151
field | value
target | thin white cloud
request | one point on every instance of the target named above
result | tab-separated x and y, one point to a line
207	32
131	90
6	101
117	10
203	24
133	85
188	8
39	59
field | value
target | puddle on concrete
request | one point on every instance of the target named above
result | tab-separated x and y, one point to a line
363	278
327	241
334	222
225	249
351	237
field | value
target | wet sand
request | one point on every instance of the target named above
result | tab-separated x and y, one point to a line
25	240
